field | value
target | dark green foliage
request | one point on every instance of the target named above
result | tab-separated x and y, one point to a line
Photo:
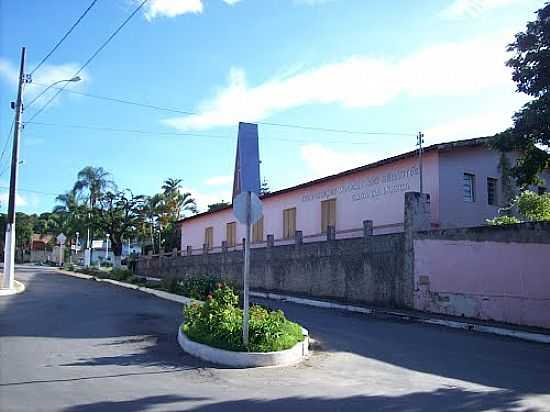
218	323
121	275
530	135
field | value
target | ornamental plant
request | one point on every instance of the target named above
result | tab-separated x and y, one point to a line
218	323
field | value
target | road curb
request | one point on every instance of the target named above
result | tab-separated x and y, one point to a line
19	287
287	357
158	293
528	336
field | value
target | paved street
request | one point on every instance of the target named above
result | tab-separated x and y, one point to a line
75	345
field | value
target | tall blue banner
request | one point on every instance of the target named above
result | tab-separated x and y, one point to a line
247	160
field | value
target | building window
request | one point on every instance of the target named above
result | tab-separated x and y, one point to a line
258	230
328	214
209	237
492	191
289	223
231	234
469	187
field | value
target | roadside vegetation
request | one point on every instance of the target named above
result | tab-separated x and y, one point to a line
219	321
526	207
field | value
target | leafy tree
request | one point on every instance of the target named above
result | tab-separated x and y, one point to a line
118	214
264	188
217	206
530	207
530	135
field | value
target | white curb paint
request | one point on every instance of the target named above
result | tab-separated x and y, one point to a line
18	287
311	302
287	357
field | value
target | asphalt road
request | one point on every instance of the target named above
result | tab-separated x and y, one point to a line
75	345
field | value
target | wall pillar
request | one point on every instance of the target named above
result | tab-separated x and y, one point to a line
367	228
331	233
417	217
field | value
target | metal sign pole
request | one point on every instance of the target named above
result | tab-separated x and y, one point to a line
246	271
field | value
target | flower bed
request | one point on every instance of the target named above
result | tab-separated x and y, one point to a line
218	323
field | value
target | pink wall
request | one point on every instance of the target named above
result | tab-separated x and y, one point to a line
361	196
507	282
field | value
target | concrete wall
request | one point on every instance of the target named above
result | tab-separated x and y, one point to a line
376	194
490	273
360	270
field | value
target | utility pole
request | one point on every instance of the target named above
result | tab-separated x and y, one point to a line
9	246
419	142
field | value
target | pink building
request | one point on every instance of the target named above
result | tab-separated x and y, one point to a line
463	179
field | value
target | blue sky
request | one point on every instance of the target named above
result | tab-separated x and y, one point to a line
376	66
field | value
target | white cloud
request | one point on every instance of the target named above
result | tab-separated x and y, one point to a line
474	125
473	8
203	199
219	180
19	200
173	8
321	161
449	69
47	75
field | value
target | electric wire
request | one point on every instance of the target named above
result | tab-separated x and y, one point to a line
191	113
91	58
92	4
159	133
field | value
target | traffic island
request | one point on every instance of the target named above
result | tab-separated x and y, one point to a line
213	331
18	287
207	353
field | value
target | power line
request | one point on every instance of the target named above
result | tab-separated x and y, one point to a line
92	57
31	191
323	129
123	101
8	139
158	133
65	36
191	113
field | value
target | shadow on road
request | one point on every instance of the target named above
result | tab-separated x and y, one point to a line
450	400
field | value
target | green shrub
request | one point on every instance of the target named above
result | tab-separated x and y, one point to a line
121	275
218	323
503	220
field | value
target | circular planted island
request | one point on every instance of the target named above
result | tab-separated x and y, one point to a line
213	332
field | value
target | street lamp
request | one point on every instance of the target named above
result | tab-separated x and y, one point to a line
107	249
72	79
9	244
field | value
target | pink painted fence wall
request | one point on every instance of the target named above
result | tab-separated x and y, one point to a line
506	282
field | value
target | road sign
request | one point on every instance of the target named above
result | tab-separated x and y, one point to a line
246	177
61	238
240	208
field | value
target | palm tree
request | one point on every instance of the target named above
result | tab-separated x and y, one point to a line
176	202
92	182
171	185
